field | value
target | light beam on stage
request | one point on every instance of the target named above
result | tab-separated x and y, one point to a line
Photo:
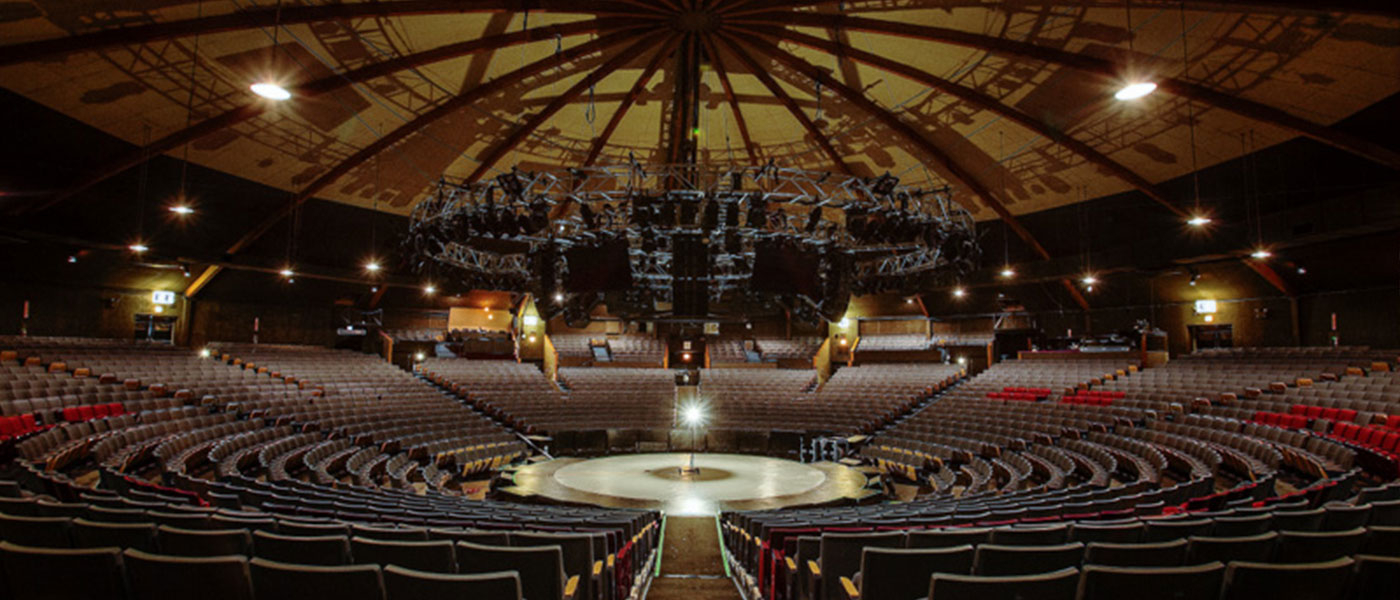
694	417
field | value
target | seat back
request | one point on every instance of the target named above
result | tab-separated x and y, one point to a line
1047	535
949	538
1318	546
1376	576
904	572
93	534
1163	530
434	557
42	532
1241	525
273	580
1152	583
541	568
210	542
1253	548
1158	554
577	549
1315	581
1056	585
205	577
407	584
323	550
31	573
1125	533
993	559
841	555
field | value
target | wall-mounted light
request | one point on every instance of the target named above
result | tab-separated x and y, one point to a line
532	338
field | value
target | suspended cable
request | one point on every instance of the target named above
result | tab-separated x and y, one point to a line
189	108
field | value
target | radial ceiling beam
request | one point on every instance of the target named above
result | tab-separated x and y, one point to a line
1107	68
326	85
292	15
942	161
980	100
394	137
729	96
818	137
1361	7
523	131
637	88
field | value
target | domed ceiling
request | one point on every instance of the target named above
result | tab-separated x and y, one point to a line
1010	103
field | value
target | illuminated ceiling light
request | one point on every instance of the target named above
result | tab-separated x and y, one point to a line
1133	91
271	91
959	292
429	289
1198	221
1302	271
72	259
558	297
181	209
372	267
1007	273
288	273
1261	253
138	247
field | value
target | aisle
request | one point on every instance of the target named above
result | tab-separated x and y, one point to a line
691	565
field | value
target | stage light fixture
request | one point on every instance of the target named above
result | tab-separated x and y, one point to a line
288	273
1007	273
693	415
1133	91
271	91
1089	280
372	266
959	292
1261	253
1198	221
429	289
138	247
182	210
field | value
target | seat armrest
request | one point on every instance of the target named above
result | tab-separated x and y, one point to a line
597	568
571	588
814	579
850	587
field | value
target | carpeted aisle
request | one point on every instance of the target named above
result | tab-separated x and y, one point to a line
691	565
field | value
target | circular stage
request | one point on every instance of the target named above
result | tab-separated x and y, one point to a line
724	482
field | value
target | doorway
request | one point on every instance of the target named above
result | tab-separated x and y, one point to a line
1211	336
154	328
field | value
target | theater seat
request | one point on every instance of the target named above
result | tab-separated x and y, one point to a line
904	572
1156	554
43	532
1057	585
1318	546
51	573
1313	581
998	560
541	568
93	534
326	550
197	578
1197	582
434	557
407	584
273	580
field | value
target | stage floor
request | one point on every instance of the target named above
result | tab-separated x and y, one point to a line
725	482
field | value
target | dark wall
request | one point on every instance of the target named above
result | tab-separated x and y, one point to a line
213	320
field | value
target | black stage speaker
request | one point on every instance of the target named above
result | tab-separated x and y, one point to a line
786	268
690	275
598	268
